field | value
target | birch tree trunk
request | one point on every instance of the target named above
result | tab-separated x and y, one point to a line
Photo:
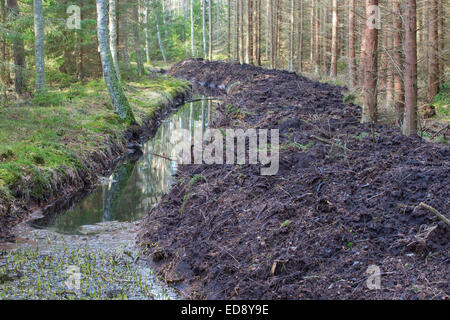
119	100
410	123
39	45
113	36
158	34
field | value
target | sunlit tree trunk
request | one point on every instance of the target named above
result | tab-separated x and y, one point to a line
270	31
113	36
334	40
210	30
312	33
441	30
205	49
146	34
241	25
433	60
351	44
228	29
250	31
291	36
316	39
410	123
236	30
120	103
39	45
300	38
158	34
371	68
192	29
137	40
399	93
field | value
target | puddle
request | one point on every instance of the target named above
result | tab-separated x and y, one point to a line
95	237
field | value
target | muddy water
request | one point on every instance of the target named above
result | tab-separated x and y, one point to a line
88	251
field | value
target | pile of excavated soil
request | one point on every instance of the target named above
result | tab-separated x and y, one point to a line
345	198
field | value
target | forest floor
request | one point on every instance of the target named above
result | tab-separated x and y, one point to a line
58	143
346	197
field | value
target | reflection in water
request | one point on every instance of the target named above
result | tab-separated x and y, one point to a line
136	185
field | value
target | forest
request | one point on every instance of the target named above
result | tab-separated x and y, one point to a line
99	97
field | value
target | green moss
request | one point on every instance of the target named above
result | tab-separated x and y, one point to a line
58	130
442	101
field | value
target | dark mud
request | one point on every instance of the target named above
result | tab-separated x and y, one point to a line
312	230
71	185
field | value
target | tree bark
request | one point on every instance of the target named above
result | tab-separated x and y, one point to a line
205	49
236	30
20	82
113	36
334	41
210	30
351	44
291	37
250	31
410	123
300	39
137	40
228	29
433	63
158	34
119	100
39	45
399	91
371	67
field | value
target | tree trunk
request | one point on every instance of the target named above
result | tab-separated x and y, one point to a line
316	40
334	40
371	67
20	84
119	100
205	49
146	34
241	24
228	29
399	93
236	30
311	34
351	44
39	45
210	30
410	123
250	31
433	69
300	39
158	34
123	31
113	36
270	31
291	37
137	40
441	30
192	29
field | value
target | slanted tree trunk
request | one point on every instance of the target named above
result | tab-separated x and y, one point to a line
410	123
120	103
371	67
334	40
113	36
433	56
20	82
39	45
351	44
158	34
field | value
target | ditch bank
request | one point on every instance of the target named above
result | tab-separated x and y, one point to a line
68	184
344	202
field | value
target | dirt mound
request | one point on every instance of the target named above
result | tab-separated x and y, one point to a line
344	198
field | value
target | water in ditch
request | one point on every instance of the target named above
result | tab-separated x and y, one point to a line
88	250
